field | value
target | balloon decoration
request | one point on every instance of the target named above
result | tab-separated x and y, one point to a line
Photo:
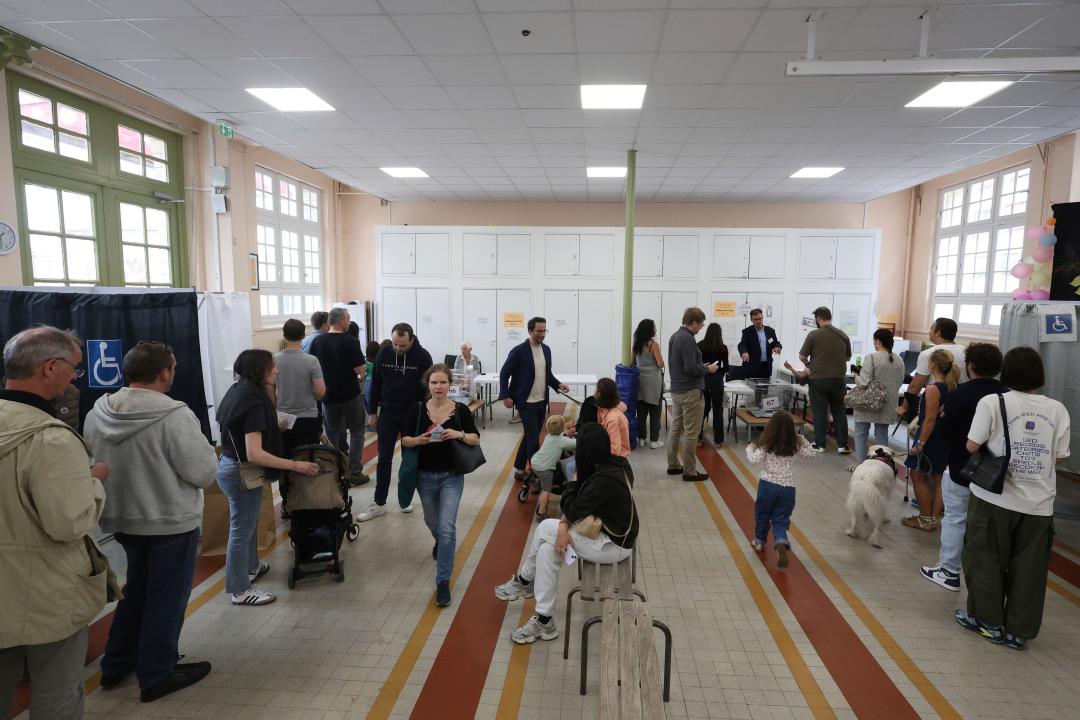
1036	268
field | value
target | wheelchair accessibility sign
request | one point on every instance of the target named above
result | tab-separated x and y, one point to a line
104	364
1058	323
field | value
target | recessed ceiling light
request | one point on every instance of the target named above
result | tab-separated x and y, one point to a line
404	172
294	99
605	172
612	97
958	94
816	172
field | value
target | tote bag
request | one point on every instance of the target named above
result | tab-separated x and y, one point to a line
409	470
986	470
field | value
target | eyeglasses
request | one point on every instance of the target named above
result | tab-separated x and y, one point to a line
78	372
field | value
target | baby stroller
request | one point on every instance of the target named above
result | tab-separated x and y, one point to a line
530	484
320	510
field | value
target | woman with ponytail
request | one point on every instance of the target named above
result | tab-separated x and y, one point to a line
929	454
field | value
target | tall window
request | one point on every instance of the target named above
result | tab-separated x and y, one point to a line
95	192
980	236
288	235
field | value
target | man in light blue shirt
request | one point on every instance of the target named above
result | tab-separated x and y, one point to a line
320	323
758	356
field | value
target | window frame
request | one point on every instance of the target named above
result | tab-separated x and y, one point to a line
281	223
967	230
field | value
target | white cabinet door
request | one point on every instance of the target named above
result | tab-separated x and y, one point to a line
851	313
730	325
561	255
855	257
673	305
398	254
681	256
433	321
768	254
817	257
596	255
731	256
399	305
645	304
480	253
432	254
596	335
511	306
479	325
805	304
515	254
561	312
648	256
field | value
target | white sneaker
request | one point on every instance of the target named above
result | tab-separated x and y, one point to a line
512	590
535	630
656	444
373	511
408	508
253	576
253	596
942	577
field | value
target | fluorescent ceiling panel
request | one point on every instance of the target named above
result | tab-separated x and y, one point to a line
605	172
612	97
404	172
816	172
294	99
958	94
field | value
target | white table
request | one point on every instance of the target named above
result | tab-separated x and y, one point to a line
483	385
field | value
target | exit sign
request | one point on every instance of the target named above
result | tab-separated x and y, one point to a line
226	130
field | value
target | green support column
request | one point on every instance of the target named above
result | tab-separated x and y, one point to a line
628	257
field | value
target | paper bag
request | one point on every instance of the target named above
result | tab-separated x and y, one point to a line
266	533
215	526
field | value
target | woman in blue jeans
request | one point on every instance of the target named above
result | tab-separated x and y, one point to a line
249	433
431	426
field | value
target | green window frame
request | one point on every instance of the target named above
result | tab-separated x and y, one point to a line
64	143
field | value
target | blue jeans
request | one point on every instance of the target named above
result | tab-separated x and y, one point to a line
774	506
146	628
347	415
956	498
242	552
862	434
532	418
440	494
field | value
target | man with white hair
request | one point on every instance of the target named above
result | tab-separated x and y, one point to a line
342	360
55	579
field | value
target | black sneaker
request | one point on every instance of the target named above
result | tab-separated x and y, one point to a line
442	594
358	479
696	477
183	675
1014	643
108	682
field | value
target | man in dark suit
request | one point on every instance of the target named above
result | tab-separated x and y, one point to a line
523	383
757	347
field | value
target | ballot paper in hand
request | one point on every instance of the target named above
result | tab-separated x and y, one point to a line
286	420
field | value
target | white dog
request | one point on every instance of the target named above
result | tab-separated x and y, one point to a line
871	486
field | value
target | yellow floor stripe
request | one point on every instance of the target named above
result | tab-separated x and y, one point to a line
811	691
399	674
1066	546
1063	591
927	689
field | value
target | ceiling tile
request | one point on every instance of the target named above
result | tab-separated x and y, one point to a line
759	68
707	30
467	69
679	96
180	74
494	118
1056	29
117	36
482	96
282	37
418	97
251	73
58	9
149	8
616	68
393	70
692	67
982	26
550	32
787	29
242	8
879	28
428	6
228	100
352	98
374	119
335	7
670	118
358	35
551	69
616	31
321	71
548	96
437	118
197	37
456	34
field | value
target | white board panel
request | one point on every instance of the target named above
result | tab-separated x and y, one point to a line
768	256
479	325
854	257
681	256
595	348
561	255
432	253
817	257
480	252
730	326
515	254
851	313
805	305
596	255
399	305
433	321
645	304
561	313
648	256
731	256
398	253
673	304
511	304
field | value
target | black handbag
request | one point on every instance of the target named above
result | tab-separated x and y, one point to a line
467	458
986	470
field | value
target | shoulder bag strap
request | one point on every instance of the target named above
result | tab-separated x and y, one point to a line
1005	426
419	414
633	510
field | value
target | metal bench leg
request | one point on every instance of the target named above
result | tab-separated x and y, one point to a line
566	632
667	661
585	649
633	564
640	595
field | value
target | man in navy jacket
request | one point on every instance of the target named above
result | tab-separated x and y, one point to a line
757	347
523	383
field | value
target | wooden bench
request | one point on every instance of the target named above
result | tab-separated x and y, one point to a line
629	668
601	582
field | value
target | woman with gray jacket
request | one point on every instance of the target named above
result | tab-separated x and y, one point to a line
884	367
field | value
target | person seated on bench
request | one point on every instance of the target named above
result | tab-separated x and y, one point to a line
603	490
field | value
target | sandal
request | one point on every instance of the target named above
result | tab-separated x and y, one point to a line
925	523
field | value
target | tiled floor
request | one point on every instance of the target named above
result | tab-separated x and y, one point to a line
370	647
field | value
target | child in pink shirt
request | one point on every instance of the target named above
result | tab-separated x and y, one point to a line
611	413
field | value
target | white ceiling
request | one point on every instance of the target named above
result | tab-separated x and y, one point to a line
451	86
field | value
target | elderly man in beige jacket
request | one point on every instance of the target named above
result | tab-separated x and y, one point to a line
55	579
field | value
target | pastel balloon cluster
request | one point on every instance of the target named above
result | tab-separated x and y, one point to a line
1036	267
